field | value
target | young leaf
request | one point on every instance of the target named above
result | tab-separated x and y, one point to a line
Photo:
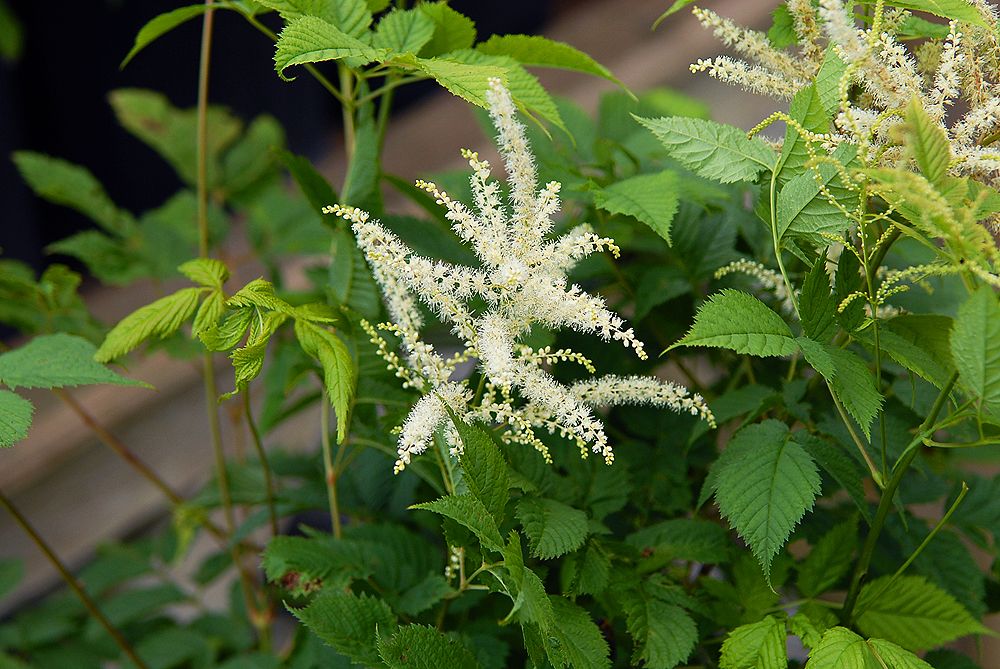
975	345
912	612
765	484
469	512
740	322
207	272
712	150
828	560
403	31
338	368
159	26
544	52
351	623
350	16
854	386
664	634
57	361
15	418
840	648
552	528
467	81
894	657
759	645
420	647
158	319
484	468
575	641
312	40
649	198
927	142
452	30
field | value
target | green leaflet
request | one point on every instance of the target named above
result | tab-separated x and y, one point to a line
829	560
422	647
664	634
470	513
208	272
927	142
957	10
817	306
484	468
161	25
918	342
308	39
302	564
157	319
57	361
854	385
673	9
350	623
975	346
467	81
552	528
452	30
740	322
403	31
649	198
912	612
544	52
15	418
804	211
574	641
586	571
531	605
759	645
841	648
765	483
338	368
684	539
349	16
712	150
313	185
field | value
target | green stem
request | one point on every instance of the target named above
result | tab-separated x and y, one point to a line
872	469
331	474
262	456
71	581
777	244
886	501
937	528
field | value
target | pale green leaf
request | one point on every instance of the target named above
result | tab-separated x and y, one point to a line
828	560
158	319
649	198
817	306
804	211
713	150
349	16
841	648
484	468
15	418
975	345
362	180
421	647
552	528
818	357
209	313
765	484
466	80
208	272
57	361
894	657
740	322
928	143
759	645
338	368
574	640
957	10
828	81
854	385
72	186
351	624
161	25
664	634
350	281
673	9
403	31
452	30
544	52
912	612
470	513
313	185
312	40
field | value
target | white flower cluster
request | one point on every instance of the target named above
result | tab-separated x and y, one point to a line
521	282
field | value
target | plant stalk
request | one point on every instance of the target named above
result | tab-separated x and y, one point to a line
331	474
264	465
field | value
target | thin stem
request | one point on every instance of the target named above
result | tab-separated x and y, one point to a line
202	127
348	105
937	528
873	470
71	581
885	503
331	474
774	239
262	456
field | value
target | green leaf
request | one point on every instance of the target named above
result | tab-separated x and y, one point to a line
805	212
817	307
673	9
740	322
552	528
649	198
911	611
587	571
423	595
828	560
313	185
664	634
949	659
338	368
208	272
575	641
918	342
531	604
828	81
957	10
544	52
158	319
469	512
209	313
759	645
782	34
854	386
72	186
312	40
894	657
404	31
928	143
818	357
712	150
765	484
845	470
467	81
350	16
452	30
350	281
159	26
57	361
11	573
841	648
11	48
15	418
684	539
975	345
421	647
484	468
351	623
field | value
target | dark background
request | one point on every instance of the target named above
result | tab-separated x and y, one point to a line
53	99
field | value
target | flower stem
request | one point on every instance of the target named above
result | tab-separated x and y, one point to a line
331	474
71	581
262	456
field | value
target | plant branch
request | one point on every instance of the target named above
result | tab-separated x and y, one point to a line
331	474
262	456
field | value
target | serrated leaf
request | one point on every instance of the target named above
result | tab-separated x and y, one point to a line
828	560
684	539
159	26
975	346
894	657
351	624
804	210
72	186
918	342
465	80
531	604
575	640
423	595
740	322
759	645
912	612
544	52
587	571
452	30
552	528
421	647
15	418
927	142
828	81
338	368
57	361
818	357
350	16
712	150
209	313
664	634
854	386
484	468
840	648
312	40
846	471
158	319
313	185
765	484
470	513
649	198
956	10
403	31
817	306
208	272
